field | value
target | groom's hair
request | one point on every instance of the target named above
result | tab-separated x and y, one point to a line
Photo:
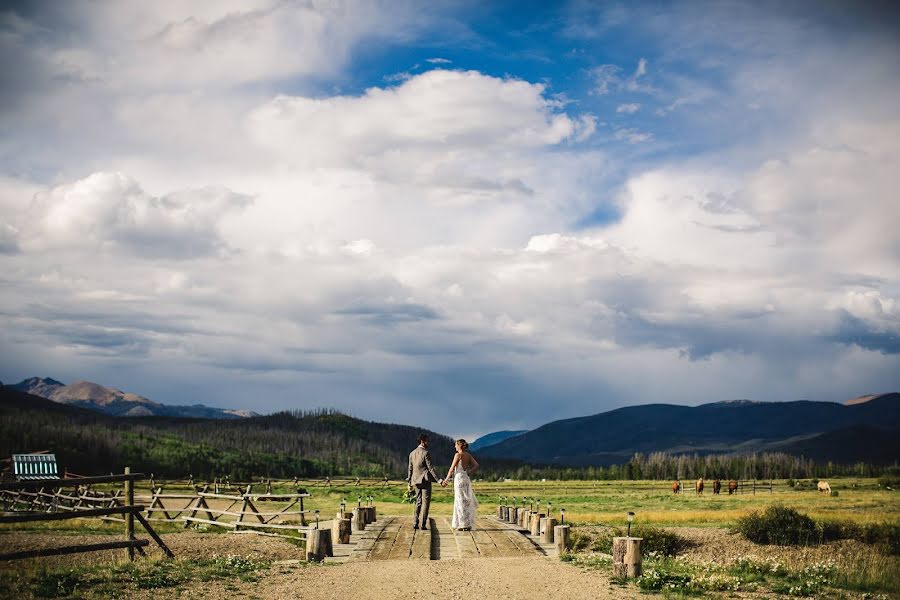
423	437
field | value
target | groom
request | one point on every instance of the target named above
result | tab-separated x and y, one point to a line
420	474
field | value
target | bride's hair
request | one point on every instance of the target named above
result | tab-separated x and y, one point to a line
463	444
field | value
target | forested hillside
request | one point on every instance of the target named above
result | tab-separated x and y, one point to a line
281	445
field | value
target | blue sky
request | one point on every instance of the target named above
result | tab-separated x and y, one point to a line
469	216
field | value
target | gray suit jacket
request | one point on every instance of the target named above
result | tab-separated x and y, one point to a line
420	468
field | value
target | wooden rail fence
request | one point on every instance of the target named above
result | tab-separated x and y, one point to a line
19	493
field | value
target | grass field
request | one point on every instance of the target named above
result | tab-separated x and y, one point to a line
607	502
712	568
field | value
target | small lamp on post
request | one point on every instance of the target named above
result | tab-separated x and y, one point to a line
630	519
538	506
549	509
317	518
359	502
343	505
562	516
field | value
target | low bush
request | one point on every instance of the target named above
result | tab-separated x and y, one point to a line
657	540
784	526
779	525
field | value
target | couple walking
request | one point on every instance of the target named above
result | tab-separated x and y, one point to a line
421	474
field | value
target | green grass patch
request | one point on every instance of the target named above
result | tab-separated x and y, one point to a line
115	581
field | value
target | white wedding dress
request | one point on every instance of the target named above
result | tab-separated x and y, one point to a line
465	505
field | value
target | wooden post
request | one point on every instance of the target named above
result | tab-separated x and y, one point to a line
547	527
340	531
374	513
500	512
512	514
535	525
627	557
318	544
129	518
561	536
524	516
359	519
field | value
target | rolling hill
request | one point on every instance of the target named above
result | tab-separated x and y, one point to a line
496	437
819	430
280	445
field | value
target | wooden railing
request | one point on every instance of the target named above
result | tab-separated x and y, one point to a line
18	494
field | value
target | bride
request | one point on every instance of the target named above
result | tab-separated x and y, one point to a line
465	505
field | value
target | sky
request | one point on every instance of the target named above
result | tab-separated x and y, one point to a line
467	216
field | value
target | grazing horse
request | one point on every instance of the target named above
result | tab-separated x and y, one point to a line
824	487
732	487
717	486
676	487
700	487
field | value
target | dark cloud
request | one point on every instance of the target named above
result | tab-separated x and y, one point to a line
853	331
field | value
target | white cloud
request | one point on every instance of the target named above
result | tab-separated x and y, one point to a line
633	136
427	246
176	45
111	208
606	77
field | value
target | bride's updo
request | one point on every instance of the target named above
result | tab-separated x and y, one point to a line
463	444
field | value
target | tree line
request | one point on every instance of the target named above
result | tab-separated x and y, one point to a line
322	443
665	466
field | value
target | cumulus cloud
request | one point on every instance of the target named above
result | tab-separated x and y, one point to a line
112	209
420	251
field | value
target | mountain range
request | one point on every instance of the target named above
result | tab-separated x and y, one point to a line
864	429
284	445
111	401
493	438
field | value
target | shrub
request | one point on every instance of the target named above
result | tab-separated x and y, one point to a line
778	525
885	535
785	526
656	540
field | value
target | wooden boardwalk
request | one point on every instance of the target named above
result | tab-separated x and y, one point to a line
393	538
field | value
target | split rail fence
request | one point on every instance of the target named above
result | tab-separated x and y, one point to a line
44	505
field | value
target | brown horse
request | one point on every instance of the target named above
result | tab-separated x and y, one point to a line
700	487
732	487
676	487
717	486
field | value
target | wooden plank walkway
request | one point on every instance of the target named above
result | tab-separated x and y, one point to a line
393	538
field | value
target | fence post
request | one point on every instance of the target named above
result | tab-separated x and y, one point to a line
129	517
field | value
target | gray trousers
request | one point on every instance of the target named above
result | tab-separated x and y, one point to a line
423	502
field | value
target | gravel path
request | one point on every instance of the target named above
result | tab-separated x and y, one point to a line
497	578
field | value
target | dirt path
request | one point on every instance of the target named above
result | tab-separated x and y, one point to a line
497	578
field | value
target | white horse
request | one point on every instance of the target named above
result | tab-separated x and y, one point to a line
824	487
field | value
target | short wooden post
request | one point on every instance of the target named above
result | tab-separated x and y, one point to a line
547	526
359	519
627	557
340	531
318	544
500	510
129	518
512	514
374	513
524	516
535	525
561	536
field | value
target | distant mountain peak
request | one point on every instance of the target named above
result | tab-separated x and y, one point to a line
113	401
863	399
739	402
